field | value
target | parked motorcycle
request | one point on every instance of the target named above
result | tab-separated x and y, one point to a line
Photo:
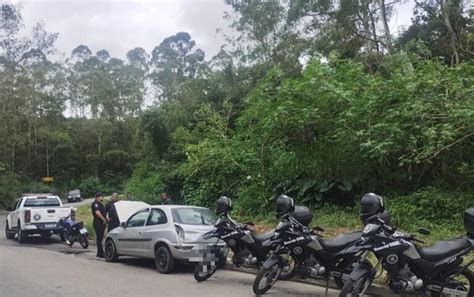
435	270
249	249
74	231
314	257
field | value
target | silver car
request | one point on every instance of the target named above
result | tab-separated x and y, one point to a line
166	233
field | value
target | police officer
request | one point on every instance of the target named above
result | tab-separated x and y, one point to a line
98	212
111	212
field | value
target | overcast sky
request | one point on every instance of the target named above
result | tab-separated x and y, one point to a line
120	25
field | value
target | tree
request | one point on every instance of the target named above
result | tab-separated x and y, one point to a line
445	29
175	60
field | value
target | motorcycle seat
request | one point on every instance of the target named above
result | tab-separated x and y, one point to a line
262	237
443	249
340	242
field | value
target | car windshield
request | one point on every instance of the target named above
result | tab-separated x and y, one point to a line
41	202
194	216
74	193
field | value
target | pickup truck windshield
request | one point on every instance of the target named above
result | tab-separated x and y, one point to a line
193	216
41	202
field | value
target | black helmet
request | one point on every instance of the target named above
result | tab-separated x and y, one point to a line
223	205
284	205
370	204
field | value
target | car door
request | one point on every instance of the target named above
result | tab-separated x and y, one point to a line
15	214
130	239
156	225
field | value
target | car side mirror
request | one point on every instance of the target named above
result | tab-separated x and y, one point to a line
424	231
9	208
123	225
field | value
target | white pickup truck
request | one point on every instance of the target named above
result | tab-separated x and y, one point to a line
36	214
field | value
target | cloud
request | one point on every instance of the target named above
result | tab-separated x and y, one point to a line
119	26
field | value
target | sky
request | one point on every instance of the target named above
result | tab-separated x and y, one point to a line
121	25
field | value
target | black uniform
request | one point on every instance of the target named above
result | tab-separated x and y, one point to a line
114	221
99	226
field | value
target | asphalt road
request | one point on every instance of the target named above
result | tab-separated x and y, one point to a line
47	267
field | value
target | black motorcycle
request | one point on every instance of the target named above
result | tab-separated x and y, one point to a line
434	270
249	250
315	257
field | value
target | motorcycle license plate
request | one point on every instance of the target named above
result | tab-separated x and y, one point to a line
50	226
83	231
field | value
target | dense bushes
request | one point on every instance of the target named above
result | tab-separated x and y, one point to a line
334	133
9	189
146	183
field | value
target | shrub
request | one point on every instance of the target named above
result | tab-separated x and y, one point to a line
146	183
9	189
90	185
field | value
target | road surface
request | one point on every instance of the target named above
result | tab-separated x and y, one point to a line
47	267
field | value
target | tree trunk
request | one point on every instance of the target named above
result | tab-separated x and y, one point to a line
388	36
47	161
451	35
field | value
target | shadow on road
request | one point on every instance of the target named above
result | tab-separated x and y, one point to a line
180	268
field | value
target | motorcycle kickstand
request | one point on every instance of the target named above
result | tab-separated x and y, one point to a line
327	288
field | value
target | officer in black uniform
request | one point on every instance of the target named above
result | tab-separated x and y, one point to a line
98	212
111	212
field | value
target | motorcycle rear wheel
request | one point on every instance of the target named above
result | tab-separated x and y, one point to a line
456	284
265	279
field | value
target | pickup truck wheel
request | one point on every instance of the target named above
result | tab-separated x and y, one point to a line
22	235
164	261
9	234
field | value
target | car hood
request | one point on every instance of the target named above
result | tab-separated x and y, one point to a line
194	233
126	208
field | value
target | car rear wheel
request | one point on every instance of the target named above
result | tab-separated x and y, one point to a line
110	251
9	234
164	261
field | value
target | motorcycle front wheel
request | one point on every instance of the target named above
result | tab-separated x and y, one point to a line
83	241
203	272
289	267
265	279
354	288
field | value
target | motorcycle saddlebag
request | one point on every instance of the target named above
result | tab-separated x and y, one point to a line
303	215
469	222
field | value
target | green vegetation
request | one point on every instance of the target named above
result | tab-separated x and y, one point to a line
316	99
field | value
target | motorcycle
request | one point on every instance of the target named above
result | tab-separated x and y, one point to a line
314	257
74	231
436	269
249	249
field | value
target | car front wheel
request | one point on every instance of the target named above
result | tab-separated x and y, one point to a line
9	234
164	261
110	251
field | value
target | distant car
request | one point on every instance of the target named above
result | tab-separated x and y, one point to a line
166	233
36	214
74	196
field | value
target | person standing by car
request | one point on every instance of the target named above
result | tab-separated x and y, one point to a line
111	213
98	212
165	199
